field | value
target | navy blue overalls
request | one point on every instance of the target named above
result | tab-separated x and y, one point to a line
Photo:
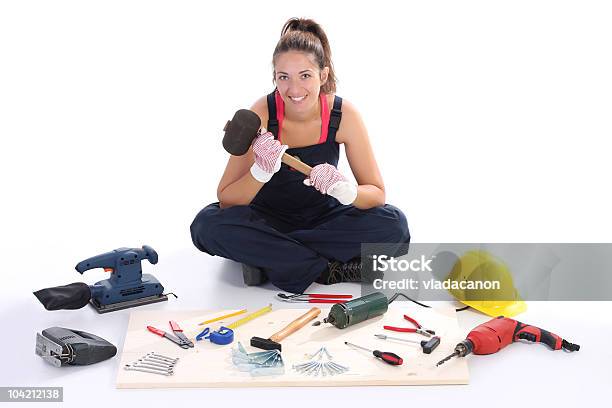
291	230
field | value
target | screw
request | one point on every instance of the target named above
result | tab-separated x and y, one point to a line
338	366
329	356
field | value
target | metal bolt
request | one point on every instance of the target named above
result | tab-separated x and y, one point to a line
303	367
329	356
312	369
315	354
332	370
338	367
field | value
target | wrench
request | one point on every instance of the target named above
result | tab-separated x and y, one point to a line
161	357
149	367
154	363
146	370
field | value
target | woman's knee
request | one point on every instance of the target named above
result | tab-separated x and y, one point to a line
399	224
205	226
202	225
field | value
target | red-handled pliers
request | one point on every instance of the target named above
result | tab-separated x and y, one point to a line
419	329
313	297
179	337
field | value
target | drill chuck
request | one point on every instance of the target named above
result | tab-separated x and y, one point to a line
464	348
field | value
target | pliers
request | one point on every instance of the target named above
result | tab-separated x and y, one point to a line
313	298
419	329
179	337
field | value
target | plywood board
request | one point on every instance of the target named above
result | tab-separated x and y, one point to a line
210	365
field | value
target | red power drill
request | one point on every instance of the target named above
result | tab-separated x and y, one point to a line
494	335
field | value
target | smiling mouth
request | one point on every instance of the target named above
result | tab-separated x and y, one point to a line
297	99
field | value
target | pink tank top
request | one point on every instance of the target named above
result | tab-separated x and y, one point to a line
280	114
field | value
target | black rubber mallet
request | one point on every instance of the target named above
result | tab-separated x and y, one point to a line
243	129
273	343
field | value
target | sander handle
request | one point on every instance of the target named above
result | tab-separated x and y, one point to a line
296	325
297	164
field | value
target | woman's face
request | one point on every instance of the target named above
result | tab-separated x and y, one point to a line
298	80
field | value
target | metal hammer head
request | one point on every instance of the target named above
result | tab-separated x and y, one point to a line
265	344
240	132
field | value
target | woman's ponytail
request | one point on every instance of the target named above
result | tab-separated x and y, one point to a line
305	35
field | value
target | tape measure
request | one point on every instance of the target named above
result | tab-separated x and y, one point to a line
225	335
222	336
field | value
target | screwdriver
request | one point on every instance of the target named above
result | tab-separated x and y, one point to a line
426	345
389	358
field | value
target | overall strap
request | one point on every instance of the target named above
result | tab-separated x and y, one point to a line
334	119
272	120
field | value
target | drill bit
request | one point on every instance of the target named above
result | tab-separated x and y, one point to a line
445	359
461	350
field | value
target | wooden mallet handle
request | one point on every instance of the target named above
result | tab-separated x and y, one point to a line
243	129
296	164
296	325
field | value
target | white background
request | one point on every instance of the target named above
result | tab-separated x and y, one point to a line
490	122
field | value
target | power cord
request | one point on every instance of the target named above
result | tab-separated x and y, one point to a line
398	294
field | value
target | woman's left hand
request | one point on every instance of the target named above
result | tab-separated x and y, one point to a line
326	179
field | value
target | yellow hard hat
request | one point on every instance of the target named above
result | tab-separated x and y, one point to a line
483	269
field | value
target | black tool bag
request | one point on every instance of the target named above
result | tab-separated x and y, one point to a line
68	297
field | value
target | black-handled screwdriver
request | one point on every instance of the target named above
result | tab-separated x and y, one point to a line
387	357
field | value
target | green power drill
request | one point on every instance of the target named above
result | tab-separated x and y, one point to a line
343	315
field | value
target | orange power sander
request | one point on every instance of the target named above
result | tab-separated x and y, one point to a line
494	335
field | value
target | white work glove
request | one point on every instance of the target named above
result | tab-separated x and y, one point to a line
268	153
326	179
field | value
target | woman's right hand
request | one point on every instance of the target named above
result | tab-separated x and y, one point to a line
268	153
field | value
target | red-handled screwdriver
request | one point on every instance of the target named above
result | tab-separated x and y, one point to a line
389	358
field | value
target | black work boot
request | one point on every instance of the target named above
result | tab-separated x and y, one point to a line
341	272
253	276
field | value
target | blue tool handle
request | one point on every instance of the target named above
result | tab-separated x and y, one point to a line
150	254
105	260
117	258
